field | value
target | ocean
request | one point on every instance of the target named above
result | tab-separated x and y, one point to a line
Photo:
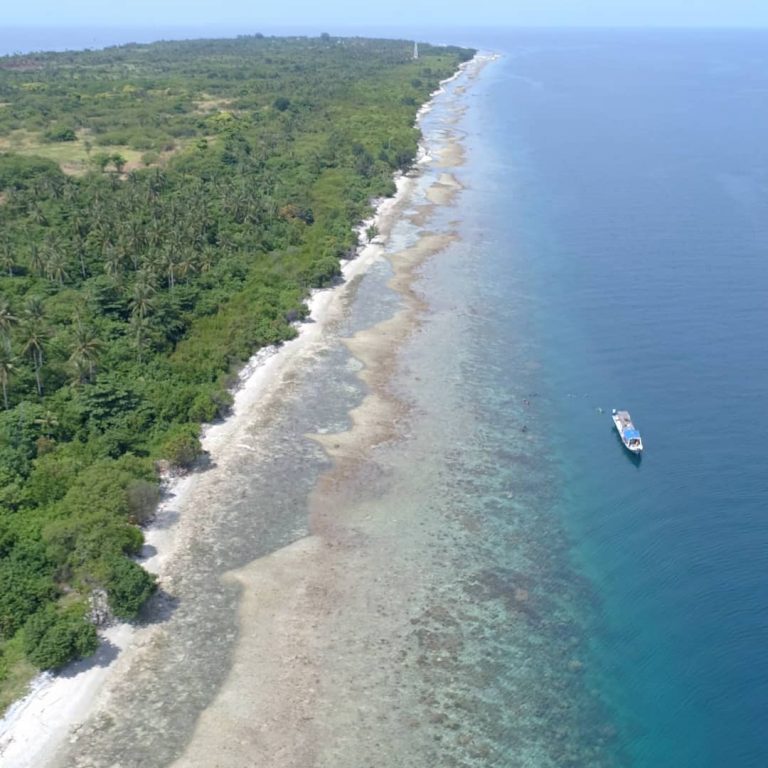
492	579
629	184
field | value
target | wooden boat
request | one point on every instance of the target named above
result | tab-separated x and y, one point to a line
627	431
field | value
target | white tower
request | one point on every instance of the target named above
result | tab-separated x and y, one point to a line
415	51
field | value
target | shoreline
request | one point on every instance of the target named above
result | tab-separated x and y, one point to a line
35	724
57	704
279	701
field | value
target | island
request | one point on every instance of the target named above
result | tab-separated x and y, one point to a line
165	211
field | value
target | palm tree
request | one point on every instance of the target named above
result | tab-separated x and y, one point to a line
207	259
35	335
85	351
56	266
141	306
156	184
7	369
34	309
6	259
79	224
36	260
47	423
155	233
143	291
7	321
170	262
140	325
187	264
136	239
80	250
38	216
113	261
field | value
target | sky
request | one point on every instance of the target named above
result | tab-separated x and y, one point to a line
333	15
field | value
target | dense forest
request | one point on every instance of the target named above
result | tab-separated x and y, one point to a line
164	211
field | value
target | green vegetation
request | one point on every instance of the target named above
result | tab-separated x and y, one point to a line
164	210
53	636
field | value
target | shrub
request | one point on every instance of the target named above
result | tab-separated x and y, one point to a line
182	448
142	500
203	408
53	636
210	405
281	103
224	402
19	172
78	542
128	586
25	581
60	133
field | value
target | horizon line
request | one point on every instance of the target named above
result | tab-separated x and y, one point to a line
374	25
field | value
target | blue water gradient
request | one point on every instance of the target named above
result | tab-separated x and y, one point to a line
628	174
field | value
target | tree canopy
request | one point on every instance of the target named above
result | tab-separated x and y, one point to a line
164	211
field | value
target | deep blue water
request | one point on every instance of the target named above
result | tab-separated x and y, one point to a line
624	178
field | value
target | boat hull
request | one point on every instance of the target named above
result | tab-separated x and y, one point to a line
630	437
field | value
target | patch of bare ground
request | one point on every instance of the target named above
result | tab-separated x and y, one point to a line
207	104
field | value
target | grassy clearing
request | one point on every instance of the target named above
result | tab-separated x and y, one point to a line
77	157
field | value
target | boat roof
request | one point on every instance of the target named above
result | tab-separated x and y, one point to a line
631	434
